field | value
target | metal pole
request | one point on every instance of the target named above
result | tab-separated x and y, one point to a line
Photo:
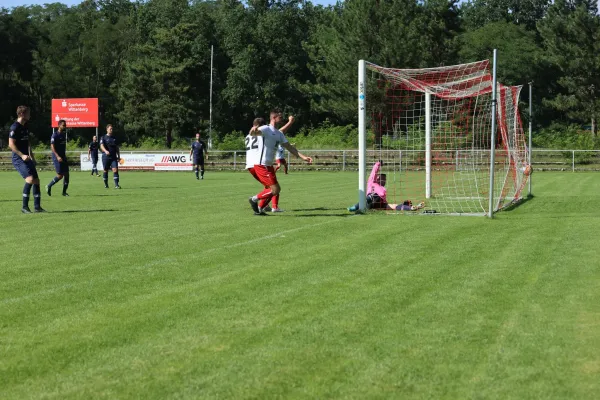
573	161
427	145
210	100
362	137
234	160
343	160
530	130
493	140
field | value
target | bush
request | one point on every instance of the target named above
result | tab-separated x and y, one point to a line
562	136
73	144
231	142
152	143
327	136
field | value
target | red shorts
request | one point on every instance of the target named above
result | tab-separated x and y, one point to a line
266	175
253	173
281	161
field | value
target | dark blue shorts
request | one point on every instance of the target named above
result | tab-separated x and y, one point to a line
25	168
61	168
94	159
109	162
199	161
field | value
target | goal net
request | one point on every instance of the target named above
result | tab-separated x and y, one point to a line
432	131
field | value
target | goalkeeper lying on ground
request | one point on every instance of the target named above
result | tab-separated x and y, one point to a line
376	194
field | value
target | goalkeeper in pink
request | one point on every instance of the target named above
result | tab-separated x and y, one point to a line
376	194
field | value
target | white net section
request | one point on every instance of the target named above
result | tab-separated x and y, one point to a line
450	109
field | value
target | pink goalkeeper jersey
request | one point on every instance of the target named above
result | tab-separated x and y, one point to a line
372	186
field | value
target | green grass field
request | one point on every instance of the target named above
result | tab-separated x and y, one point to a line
171	288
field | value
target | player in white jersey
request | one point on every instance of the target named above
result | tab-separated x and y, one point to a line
263	170
253	149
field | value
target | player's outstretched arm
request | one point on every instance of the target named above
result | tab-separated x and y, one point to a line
288	125
295	152
254	131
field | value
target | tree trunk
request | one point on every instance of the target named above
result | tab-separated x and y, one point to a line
168	137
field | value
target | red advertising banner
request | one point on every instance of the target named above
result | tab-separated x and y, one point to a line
79	113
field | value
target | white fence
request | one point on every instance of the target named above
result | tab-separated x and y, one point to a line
337	160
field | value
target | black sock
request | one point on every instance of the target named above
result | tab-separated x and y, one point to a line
37	197
26	191
53	181
116	178
105	177
202	172
196	172
65	184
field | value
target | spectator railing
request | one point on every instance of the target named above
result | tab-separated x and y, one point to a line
341	160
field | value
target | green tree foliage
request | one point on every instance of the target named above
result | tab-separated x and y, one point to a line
159	90
478	13
17	52
398	33
148	61
571	34
520	57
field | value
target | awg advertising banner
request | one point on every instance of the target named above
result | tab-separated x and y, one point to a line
144	162
78	113
172	162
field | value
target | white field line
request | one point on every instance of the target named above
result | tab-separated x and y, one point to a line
160	261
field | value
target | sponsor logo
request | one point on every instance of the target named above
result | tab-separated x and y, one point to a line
173	159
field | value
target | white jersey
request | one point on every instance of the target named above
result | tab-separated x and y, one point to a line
280	153
271	138
253	150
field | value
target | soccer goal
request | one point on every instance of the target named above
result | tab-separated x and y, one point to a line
434	133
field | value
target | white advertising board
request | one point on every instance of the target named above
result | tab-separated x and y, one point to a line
172	162
146	162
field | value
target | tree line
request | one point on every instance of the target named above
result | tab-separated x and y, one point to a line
149	61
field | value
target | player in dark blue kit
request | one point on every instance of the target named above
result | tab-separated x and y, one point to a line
198	151
23	161
111	156
93	155
58	145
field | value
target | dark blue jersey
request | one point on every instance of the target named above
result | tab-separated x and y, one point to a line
110	144
198	149
20	134
93	148
59	140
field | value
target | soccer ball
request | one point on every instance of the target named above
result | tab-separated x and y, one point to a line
526	170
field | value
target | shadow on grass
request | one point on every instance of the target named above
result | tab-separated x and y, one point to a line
318	209
92	195
89	211
519	203
342	215
154	187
